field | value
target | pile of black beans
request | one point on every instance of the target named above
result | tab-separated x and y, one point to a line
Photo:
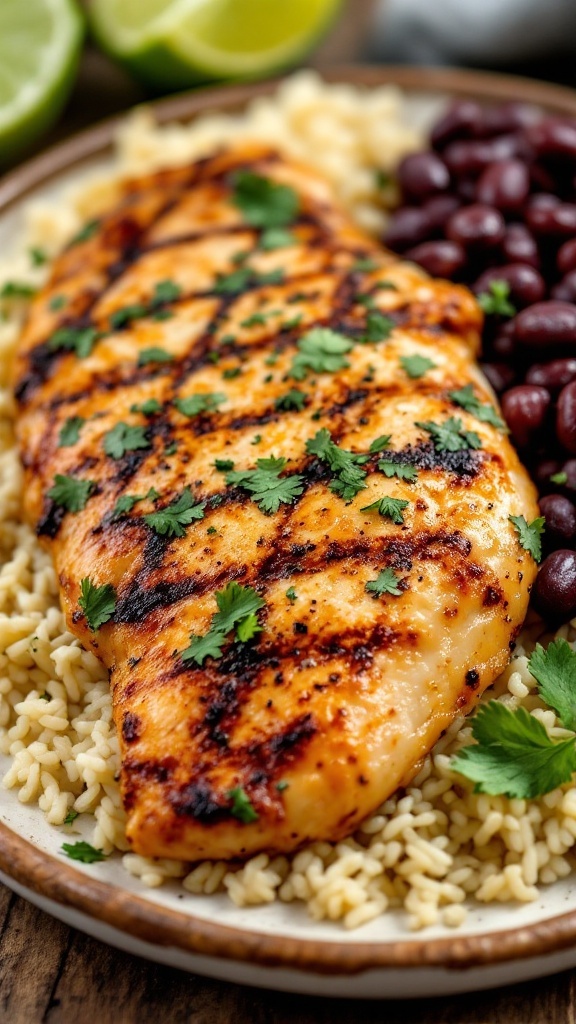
492	204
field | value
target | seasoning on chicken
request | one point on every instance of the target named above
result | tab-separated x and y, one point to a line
278	495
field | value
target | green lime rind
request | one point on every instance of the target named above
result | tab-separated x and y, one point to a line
177	63
19	132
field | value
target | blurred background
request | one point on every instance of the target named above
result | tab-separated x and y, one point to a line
122	51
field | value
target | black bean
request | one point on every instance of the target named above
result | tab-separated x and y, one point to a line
476	227
544	470
565	290
566	417
440	259
407	227
524	409
566	257
546	323
461	120
506	117
560	515
526	284
469	159
553	220
439	208
555	588
422	175
552	136
554	375
505	185
519	246
500	375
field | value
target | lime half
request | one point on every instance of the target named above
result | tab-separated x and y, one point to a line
39	48
177	43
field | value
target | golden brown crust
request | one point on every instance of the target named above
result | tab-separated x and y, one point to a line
342	692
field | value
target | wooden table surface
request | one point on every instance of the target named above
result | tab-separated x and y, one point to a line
52	974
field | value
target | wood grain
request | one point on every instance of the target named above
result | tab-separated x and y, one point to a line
51	974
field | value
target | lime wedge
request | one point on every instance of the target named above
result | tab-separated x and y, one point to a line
39	48
177	43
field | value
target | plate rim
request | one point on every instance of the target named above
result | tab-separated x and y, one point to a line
47	876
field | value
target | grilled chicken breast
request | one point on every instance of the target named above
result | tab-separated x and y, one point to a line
277	493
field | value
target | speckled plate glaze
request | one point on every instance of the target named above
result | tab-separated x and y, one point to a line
277	946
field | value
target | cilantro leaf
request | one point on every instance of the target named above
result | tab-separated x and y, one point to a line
201	647
276	238
147	408
349	478
71	493
378	328
402	470
126	314
393	508
83	852
264	203
97	603
496	299
449	436
385	583
513	754
416	366
195	404
38	256
364	265
247	628
57	302
265	484
71	817
124	438
70	431
529	534
559	478
483	411
166	291
380	443
255	320
127	501
321	350
293	399
554	669
154	355
17	290
291	595
71	339
241	806
224	464
229	284
87	231
171	520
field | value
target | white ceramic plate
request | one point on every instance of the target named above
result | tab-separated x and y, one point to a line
277	946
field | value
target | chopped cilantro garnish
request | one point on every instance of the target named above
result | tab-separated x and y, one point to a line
514	754
44	696
211	530
38	256
254	320
256	439
529	534
171	448
124	316
292	324
402	470
496	299
83	852
416	366
364	265
124	438
154	355
241	807
264	203
293	399
79	340
193	405
291	595
97	603
483	411
86	232
321	350
163	314
170	521
349	478
385	583
378	328
224	464
282	785
559	478
147	408
380	443
265	485
276	238
237	281
71	817
126	502
393	508
231	373
166	291
57	302
449	436
237	608
70	431
70	493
